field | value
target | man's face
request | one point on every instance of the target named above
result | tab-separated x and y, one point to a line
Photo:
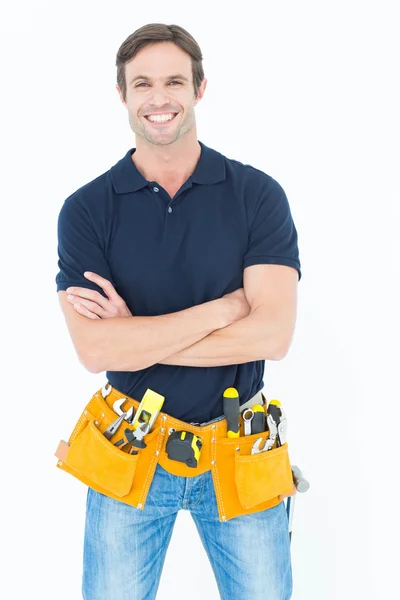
159	80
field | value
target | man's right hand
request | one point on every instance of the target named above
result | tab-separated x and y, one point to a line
237	306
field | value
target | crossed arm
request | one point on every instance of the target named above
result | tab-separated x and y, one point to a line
264	334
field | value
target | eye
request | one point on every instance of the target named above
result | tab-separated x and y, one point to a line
144	83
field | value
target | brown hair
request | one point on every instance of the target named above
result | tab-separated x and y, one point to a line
158	32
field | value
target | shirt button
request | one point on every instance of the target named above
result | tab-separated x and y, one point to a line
169	209
155	189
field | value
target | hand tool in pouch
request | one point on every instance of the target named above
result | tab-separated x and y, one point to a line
277	425
115	425
258	422
117	408
136	437
232	411
184	446
270	441
142	423
279	416
109	432
148	409
254	419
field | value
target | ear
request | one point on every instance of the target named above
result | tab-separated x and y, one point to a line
201	91
120	93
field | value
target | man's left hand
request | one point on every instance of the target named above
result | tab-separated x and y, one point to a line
93	305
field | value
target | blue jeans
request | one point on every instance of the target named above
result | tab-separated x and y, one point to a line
125	548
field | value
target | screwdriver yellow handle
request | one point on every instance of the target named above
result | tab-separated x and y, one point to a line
231	411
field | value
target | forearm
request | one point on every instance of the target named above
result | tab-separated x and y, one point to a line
256	337
134	343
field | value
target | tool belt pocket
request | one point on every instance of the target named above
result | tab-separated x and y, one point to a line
100	462
95	459
264	476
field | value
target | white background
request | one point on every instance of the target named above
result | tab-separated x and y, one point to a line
308	93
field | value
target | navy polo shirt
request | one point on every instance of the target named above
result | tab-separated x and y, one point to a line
164	255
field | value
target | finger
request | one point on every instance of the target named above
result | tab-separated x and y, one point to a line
92	307
106	285
79	292
84	311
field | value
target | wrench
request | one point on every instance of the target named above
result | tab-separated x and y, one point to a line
247	416
128	416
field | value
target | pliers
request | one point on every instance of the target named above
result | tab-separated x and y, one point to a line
270	441
277	432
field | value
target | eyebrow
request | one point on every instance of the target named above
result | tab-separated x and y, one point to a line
166	78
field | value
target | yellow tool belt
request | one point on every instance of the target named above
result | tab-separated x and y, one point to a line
244	483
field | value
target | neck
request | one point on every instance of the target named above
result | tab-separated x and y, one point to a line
174	162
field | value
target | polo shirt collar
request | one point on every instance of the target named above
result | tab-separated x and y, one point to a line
126	177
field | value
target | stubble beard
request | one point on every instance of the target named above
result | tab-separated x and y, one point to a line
140	129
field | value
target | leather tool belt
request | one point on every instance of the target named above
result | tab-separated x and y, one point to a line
244	483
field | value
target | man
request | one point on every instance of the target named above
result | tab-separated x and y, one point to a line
178	272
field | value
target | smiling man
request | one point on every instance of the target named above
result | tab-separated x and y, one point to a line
178	272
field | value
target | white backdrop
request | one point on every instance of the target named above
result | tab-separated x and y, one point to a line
308	93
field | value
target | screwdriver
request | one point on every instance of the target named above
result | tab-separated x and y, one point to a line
258	420
231	411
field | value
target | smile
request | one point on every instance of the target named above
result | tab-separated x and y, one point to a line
160	122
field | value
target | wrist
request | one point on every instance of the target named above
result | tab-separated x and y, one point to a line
224	312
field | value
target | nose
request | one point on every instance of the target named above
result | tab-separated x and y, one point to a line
159	98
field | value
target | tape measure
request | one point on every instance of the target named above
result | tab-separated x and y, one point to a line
185	447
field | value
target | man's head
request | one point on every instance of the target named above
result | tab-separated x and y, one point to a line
159	70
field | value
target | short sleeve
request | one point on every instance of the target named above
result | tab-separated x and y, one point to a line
273	235
79	248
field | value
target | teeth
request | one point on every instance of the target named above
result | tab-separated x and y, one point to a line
161	118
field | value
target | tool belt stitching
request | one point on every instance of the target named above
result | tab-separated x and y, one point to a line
217	488
243	483
111	449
